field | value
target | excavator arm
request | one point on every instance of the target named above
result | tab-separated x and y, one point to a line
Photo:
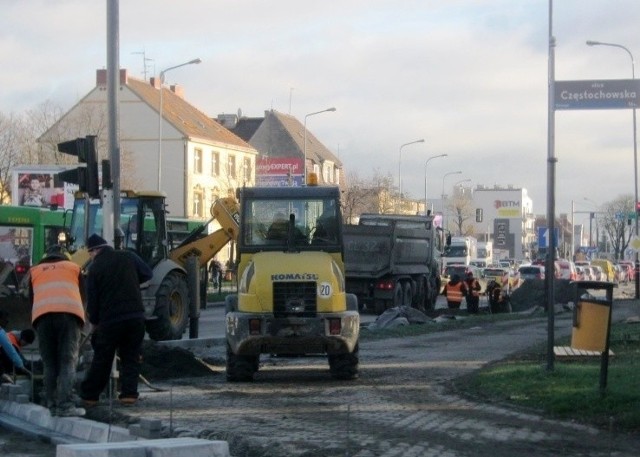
227	212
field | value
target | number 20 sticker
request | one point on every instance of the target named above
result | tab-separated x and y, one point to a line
324	290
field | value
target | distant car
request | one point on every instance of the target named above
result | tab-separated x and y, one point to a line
620	273
461	270
598	273
581	272
607	268
530	272
629	268
567	270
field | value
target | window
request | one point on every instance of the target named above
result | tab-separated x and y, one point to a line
215	163
232	167
198	202
197	161
246	169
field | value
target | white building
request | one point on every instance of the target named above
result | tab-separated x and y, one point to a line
200	159
507	220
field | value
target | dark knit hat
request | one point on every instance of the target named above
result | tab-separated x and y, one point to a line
96	241
56	252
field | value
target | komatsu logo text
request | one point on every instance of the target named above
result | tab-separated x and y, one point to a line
294	277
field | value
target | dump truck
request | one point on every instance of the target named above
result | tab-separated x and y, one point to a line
291	298
391	260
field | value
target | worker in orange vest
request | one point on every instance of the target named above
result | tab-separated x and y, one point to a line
58	317
455	290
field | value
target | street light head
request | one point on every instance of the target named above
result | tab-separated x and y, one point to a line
195	61
592	43
331	109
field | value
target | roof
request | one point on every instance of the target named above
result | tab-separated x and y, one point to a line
282	135
185	117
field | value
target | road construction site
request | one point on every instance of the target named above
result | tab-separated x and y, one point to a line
402	404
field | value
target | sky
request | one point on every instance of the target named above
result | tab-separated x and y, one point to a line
470	77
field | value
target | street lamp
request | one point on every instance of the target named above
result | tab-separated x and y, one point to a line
635	154
304	141
400	161
591	216
426	204
444	219
162	73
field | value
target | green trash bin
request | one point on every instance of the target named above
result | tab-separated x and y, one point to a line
591	316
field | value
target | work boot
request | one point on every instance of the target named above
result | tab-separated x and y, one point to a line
71	411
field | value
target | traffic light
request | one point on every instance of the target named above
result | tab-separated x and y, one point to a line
637	207
478	214
86	177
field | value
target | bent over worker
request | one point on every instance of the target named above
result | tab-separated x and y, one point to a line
114	306
455	290
58	317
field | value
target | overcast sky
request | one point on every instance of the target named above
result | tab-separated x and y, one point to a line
468	76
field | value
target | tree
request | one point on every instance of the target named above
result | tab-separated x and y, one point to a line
10	152
618	223
461	206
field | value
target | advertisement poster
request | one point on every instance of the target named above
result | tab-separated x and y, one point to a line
279	172
40	186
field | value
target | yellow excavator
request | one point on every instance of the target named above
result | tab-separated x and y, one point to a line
166	299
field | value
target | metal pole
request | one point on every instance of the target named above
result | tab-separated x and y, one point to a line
399	168
113	83
551	180
304	141
161	78
426	203
635	156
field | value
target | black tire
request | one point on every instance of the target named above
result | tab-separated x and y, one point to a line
407	294
344	366
397	295
241	368
172	309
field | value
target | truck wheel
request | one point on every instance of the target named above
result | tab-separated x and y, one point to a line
172	309
241	368
397	295
422	297
407	294
344	366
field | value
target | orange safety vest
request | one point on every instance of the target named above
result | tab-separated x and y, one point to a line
15	341
454	292
56	289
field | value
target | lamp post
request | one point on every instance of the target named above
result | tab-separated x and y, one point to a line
635	155
444	218
304	146
399	163
162	74
426	203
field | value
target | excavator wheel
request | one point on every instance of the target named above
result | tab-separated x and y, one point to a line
241	368
172	309
344	366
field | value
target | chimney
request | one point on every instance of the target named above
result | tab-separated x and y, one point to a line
101	77
178	90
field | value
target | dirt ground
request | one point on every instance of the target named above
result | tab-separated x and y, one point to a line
401	405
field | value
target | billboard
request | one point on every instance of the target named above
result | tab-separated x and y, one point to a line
38	185
279	172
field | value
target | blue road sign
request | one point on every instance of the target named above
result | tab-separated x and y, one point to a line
544	239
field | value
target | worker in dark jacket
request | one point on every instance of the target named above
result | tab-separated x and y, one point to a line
115	310
57	314
455	290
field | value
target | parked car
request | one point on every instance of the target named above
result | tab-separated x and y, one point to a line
581	272
589	273
530	272
567	270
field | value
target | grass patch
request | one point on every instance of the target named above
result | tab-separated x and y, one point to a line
572	389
